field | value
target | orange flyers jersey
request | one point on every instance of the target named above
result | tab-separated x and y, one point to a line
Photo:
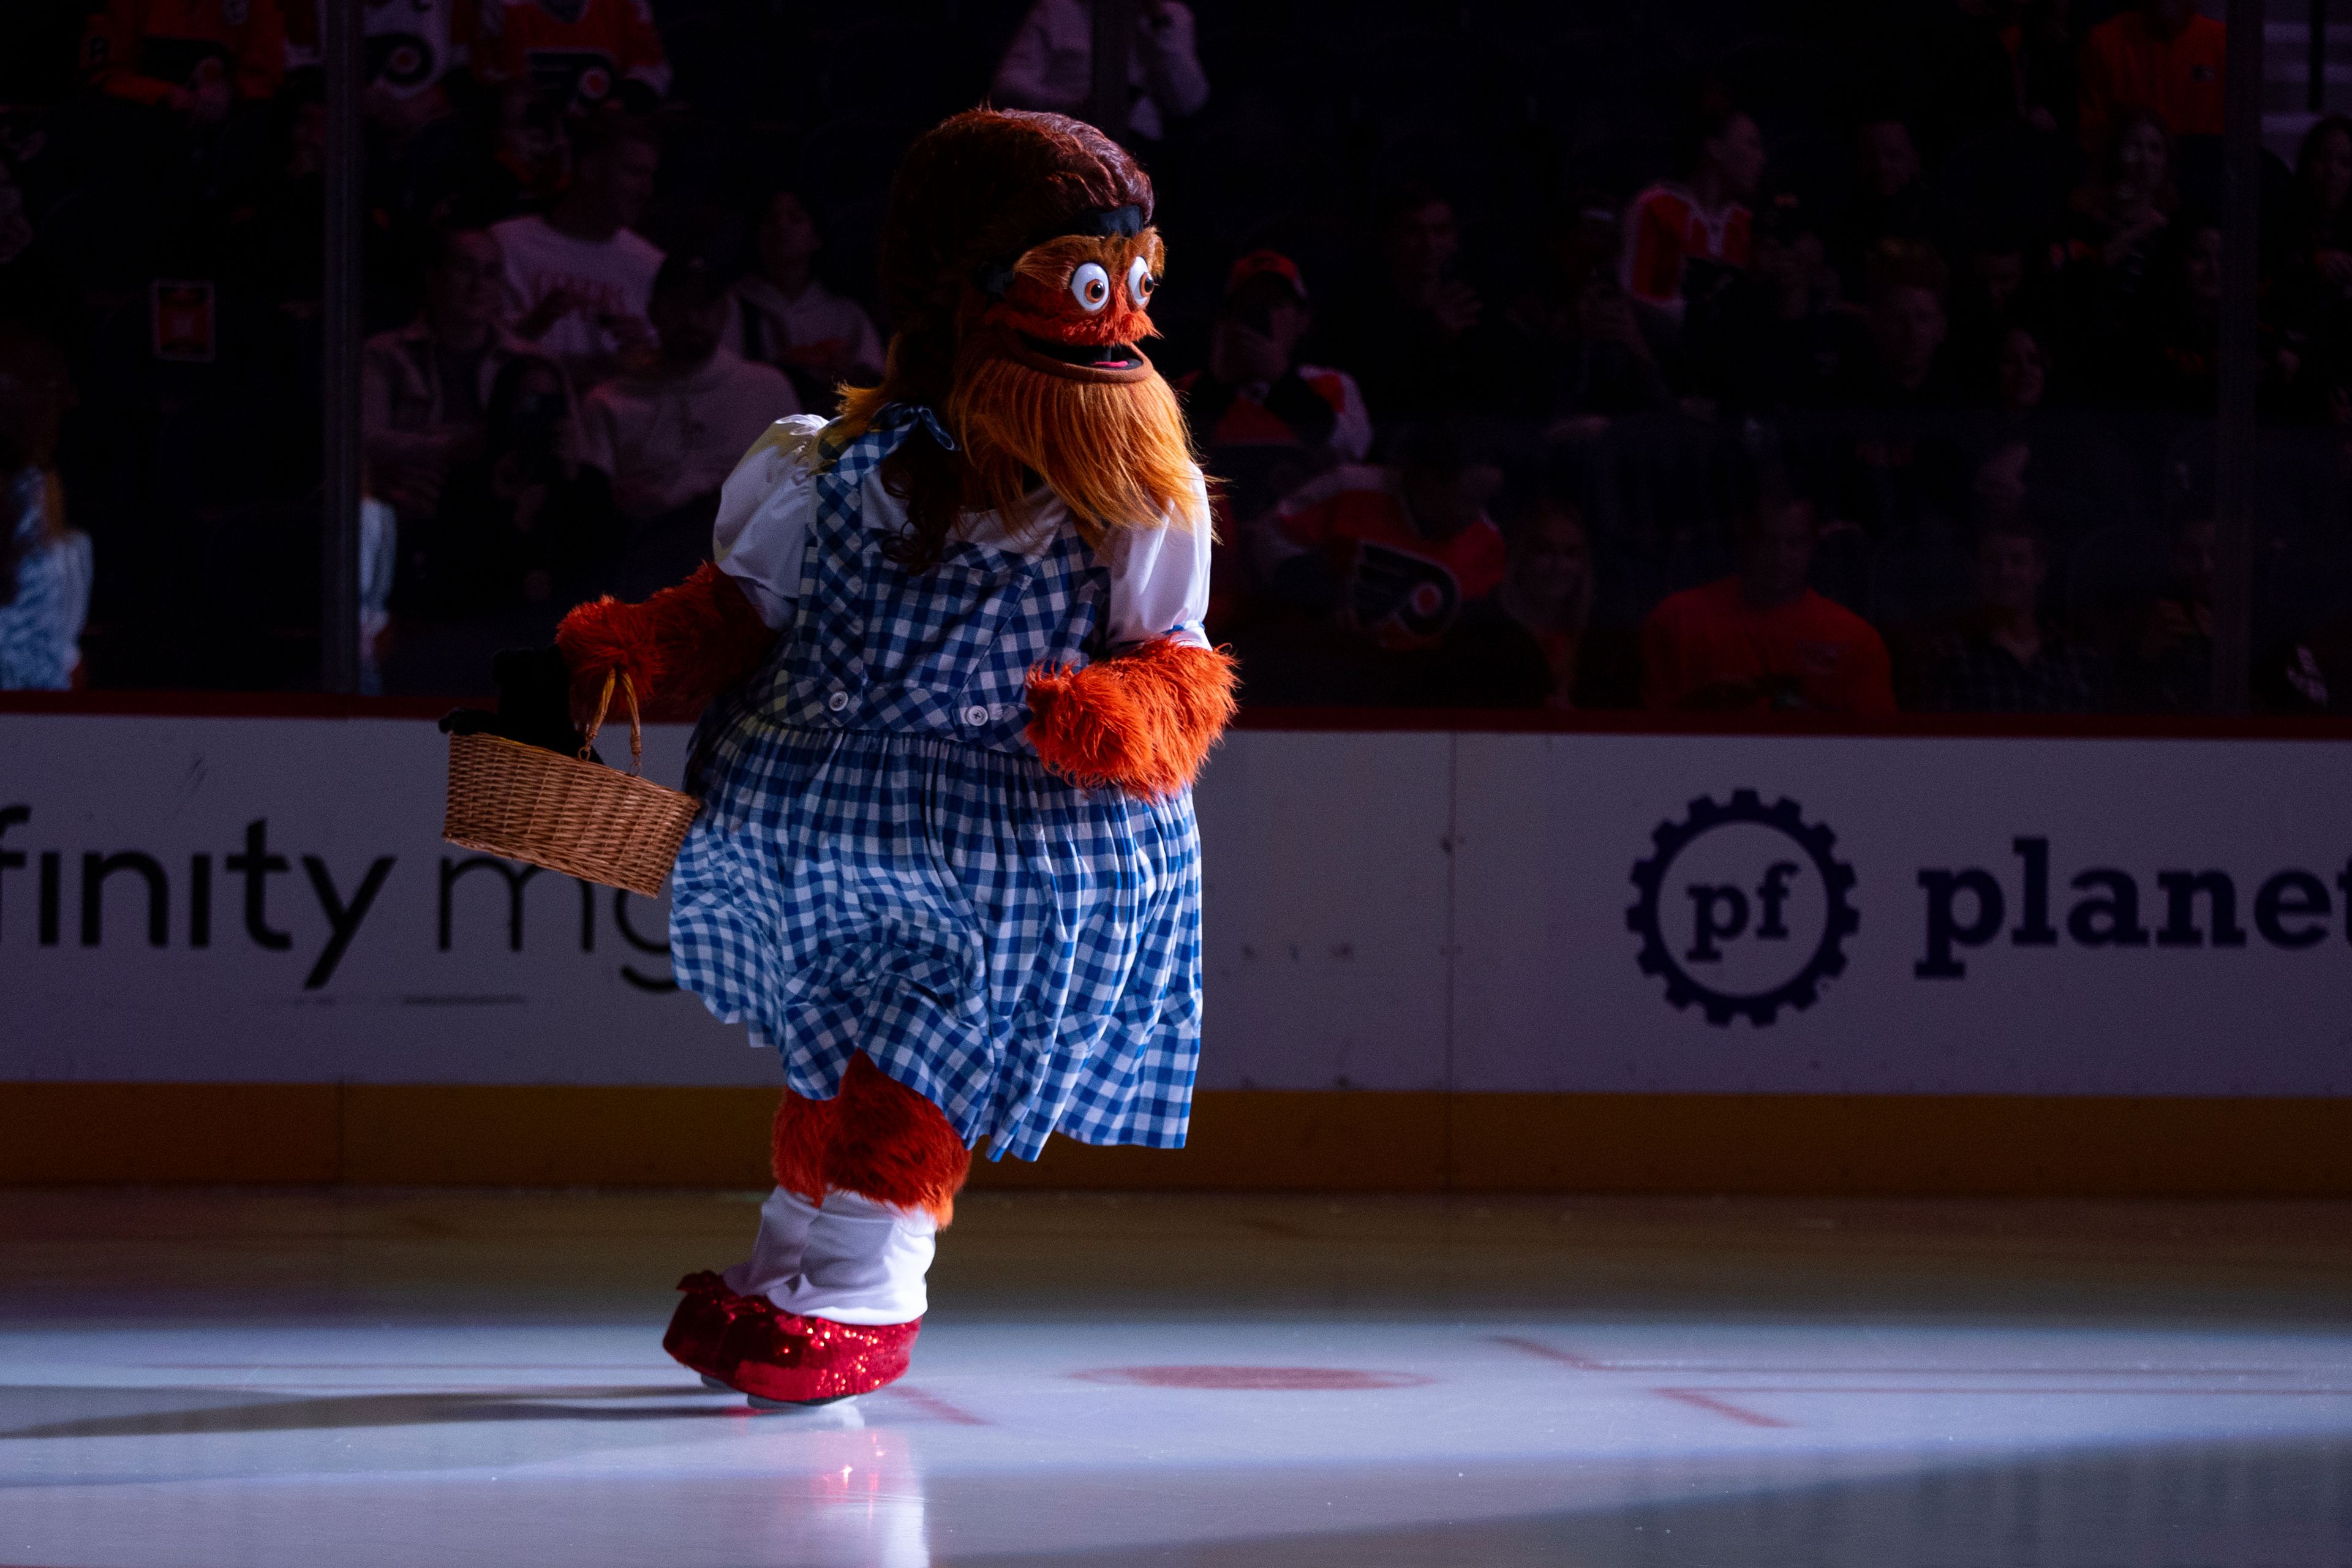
144	49
411	44
575	52
1706	647
1665	228
1402	588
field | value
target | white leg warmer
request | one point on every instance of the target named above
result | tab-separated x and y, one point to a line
852	1261
784	1222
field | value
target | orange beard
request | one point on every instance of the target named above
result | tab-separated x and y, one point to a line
1105	433
1113	447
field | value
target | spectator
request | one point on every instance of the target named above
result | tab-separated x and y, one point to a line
2315	262
1996	277
1907	282
669	435
2020	371
2167	664
1775	338
518	516
518	160
1762	640
2321	223
1417	338
1254	391
578	54
2006	655
1531	643
274	239
2112	230
1050	64
43	568
2310	674
2174	357
425	389
1998	66
2160	56
578	280
1987	296
1891	200
199	59
1600	366
1389	556
782	315
1681	238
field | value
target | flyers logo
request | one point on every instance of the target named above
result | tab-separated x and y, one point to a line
402	60
1390	588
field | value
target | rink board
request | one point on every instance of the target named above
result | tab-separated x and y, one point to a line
1608	933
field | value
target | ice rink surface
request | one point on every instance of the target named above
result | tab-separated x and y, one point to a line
257	1381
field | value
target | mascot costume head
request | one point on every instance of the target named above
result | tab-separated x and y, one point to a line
1018	262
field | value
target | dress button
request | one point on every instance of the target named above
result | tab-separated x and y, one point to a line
975	715
837	701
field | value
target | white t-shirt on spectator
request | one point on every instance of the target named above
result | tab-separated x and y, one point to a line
1050	64
615	274
667	439
764	322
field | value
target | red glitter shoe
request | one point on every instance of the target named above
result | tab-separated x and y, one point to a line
779	1357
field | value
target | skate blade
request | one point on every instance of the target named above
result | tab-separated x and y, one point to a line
777	1406
713	1384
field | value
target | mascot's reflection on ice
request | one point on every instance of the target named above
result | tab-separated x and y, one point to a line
953	694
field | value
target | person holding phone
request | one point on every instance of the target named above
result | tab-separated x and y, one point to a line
1417	333
670	434
424	388
1254	391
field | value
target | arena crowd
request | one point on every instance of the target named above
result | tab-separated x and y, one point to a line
1698	357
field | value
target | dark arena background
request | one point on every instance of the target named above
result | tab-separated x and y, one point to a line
1777	920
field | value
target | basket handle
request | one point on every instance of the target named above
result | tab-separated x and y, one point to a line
637	727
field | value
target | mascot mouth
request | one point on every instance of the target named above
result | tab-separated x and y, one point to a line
1108	362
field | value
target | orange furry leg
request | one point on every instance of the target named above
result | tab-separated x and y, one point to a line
876	1138
802	1141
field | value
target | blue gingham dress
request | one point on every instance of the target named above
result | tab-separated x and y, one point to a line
883	865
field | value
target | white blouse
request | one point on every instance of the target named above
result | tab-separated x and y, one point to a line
1159	575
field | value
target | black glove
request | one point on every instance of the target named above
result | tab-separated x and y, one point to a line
534	703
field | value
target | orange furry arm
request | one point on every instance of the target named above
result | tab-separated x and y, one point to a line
679	648
1143	720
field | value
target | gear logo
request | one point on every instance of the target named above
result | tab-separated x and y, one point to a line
1744	909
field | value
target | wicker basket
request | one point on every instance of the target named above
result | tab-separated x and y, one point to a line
567	814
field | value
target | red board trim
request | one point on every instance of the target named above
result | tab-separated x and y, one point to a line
1357	720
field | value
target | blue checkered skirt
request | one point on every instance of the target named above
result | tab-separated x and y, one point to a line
1025	953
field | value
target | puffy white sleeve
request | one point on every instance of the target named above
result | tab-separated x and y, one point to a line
1159	580
764	508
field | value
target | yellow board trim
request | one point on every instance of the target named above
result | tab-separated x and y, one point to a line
1257	1139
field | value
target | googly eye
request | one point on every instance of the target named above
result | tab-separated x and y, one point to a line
1139	281
1090	287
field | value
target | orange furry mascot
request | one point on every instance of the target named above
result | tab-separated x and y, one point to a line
954	693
